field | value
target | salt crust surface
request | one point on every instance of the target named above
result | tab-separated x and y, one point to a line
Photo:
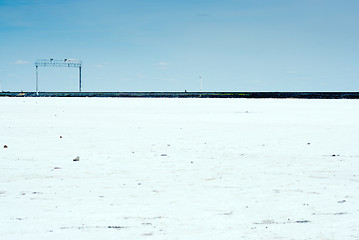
179	168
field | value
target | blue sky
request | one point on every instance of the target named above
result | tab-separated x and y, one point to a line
163	45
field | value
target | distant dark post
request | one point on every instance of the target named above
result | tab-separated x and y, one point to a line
37	81
79	79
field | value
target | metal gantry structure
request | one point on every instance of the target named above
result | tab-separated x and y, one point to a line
57	63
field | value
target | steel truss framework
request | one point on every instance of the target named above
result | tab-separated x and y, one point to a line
57	63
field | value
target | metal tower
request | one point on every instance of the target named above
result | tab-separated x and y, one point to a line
57	63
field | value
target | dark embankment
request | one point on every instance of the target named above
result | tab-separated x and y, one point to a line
300	95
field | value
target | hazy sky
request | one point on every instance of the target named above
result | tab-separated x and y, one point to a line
165	45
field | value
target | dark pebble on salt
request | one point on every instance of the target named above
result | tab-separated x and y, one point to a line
304	221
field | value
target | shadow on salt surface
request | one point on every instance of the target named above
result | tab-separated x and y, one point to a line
95	227
288	221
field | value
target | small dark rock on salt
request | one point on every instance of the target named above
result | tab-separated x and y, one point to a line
303	221
76	159
5	146
115	227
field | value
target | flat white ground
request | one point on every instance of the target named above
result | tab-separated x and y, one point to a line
179	169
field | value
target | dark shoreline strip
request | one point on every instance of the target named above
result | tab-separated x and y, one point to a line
297	95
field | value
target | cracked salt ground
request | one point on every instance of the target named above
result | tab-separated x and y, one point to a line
225	175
